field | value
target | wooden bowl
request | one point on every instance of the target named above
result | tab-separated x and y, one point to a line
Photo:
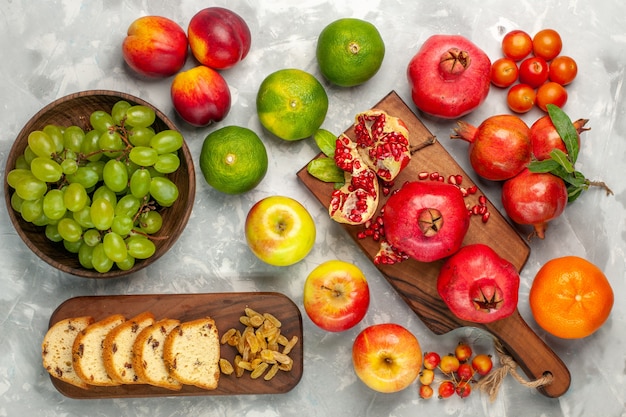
75	109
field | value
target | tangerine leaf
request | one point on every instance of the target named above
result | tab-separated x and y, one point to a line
565	128
561	158
326	141
325	169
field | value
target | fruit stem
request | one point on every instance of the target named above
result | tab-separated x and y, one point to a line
464	131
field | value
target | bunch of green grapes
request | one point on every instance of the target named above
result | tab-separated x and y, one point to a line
99	191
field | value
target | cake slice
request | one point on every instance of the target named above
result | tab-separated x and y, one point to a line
148	355
56	349
87	351
192	351
117	351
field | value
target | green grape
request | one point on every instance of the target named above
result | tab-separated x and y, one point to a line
102	213
140	136
140	116
111	142
54	205
73	247
85	176
150	222
105	192
16	175
140	247
56	134
69	166
41	143
75	197
140	183
167	163
126	264
167	141
73	137
114	247
52	233
31	210
154	173
100	261
90	146
92	237
118	112
21	163
16	202
97	167
29	155
46	169
128	206
69	229
30	188
143	155
164	191
101	120
122	225
85	256
83	217
115	175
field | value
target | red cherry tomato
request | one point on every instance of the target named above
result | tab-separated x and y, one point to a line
533	71
547	44
517	45
503	72
563	70
551	93
521	98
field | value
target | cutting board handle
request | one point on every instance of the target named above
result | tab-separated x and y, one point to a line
532	354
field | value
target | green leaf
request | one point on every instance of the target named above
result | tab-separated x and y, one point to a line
326	141
565	128
562	159
547	165
325	169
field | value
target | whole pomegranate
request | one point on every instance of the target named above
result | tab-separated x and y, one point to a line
534	199
499	147
426	220
544	137
449	76
478	285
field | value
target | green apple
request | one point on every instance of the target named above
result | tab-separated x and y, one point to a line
279	230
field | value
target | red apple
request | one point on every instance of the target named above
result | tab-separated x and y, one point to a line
386	357
155	46
200	96
279	230
336	296
218	37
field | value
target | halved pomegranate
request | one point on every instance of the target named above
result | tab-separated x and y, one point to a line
383	142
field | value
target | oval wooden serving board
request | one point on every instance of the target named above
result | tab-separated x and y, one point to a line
224	308
416	282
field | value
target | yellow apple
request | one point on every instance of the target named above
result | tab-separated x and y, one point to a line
279	230
336	295
386	357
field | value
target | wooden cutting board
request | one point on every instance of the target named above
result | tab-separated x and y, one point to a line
224	308
416	282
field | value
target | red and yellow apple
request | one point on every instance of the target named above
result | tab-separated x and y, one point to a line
200	96
155	46
336	295
219	38
386	357
279	230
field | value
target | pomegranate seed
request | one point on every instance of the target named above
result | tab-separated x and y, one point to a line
482	200
459	179
452	180
486	217
464	192
475	209
472	189
482	210
434	176
361	235
422	175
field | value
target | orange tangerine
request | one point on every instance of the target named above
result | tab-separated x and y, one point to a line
570	297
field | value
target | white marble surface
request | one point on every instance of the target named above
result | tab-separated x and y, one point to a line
64	46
